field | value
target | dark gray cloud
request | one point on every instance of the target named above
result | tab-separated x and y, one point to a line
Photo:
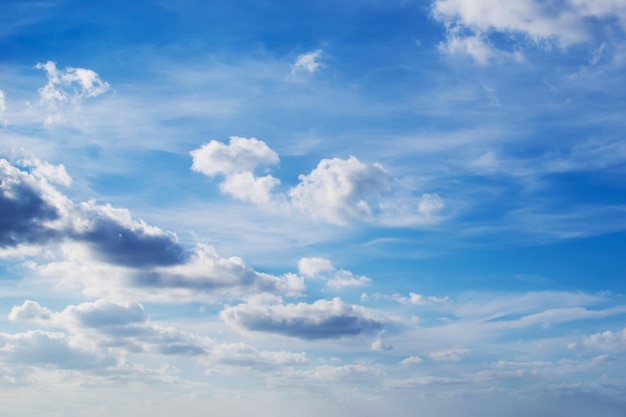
122	245
321	320
23	212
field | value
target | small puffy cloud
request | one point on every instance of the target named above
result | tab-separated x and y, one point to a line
245	186
607	340
419	299
68	87
412	360
319	320
309	62
29	311
337	190
314	267
241	154
451	355
323	269
379	345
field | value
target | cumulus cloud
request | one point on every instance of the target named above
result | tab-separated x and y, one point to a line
451	355
241	154
607	340
309	62
338	190
323	269
101	242
471	22
319	320
379	345
69	85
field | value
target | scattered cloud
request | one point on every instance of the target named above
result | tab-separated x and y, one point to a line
338	191
412	360
309	62
608	340
323	269
320	320
450	355
240	155
470	23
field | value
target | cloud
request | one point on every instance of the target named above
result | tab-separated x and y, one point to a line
337	190
450	355
470	23
101	243
607	340
69	85
39	347
309	62
241	154
379	345
323	269
314	267
412	360
245	186
319	320
240	354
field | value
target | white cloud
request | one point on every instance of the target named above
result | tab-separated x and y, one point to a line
412	360
337	190
241	154
450	355
70	86
313	267
3	109
470	22
309	62
607	340
379	345
319	320
323	269
245	186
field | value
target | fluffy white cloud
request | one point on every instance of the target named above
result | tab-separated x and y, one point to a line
379	345
319	320
323	269
607	340
450	355
241	154
246	187
337	190
65	87
314	267
309	62
470	22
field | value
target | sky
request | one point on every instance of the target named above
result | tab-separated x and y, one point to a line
279	208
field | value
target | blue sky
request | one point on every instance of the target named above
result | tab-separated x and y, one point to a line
340	208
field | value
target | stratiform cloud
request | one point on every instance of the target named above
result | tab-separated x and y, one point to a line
320	320
450	355
309	62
